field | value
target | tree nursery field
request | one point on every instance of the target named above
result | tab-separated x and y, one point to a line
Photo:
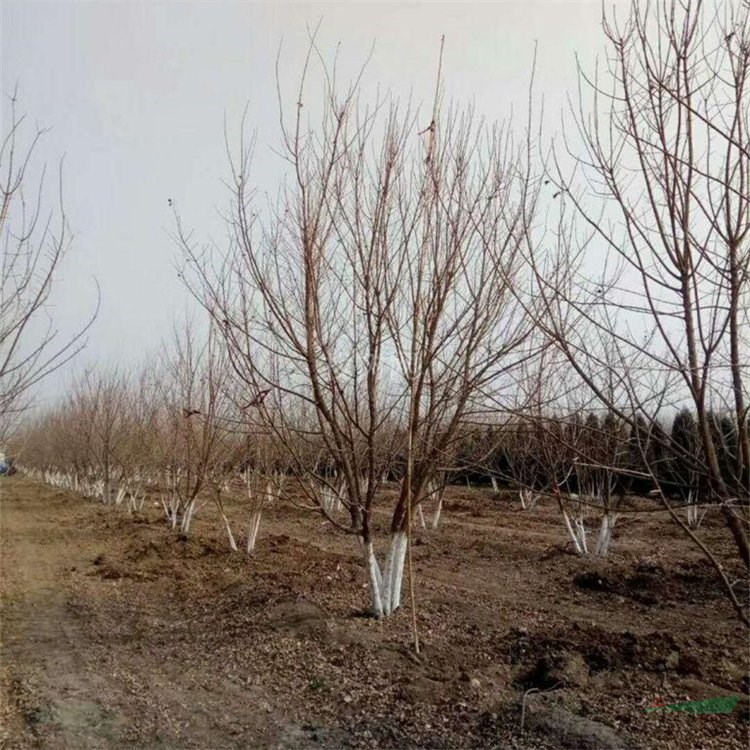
119	632
438	436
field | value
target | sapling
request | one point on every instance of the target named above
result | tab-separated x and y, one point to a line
528	498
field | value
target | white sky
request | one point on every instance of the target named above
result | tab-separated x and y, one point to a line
136	95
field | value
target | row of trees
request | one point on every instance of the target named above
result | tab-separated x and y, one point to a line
514	453
176	433
406	274
173	431
409	279
179	416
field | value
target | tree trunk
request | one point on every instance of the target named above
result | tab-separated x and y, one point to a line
385	587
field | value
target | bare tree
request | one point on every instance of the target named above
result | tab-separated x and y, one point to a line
138	441
196	444
369	312
33	243
648	298
100	403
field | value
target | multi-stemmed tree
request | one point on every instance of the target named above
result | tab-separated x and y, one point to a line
197	448
371	311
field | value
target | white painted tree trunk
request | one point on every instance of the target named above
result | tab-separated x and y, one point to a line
438	511
170	505
326	497
375	580
420	514
259	499
577	533
232	543
581	530
399	544
694	514
605	534
120	495
385	587
135	501
528	498
187	517
252	533
331	500
495	488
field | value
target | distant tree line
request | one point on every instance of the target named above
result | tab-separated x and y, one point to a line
639	458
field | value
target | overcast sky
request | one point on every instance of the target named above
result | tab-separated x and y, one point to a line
136	95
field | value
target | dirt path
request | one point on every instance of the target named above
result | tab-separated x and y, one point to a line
64	683
49	681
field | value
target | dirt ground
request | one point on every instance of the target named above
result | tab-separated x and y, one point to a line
117	633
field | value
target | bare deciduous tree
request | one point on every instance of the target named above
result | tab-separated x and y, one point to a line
196	446
370	311
101	399
660	326
33	243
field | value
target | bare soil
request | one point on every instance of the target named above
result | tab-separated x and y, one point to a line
119	633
